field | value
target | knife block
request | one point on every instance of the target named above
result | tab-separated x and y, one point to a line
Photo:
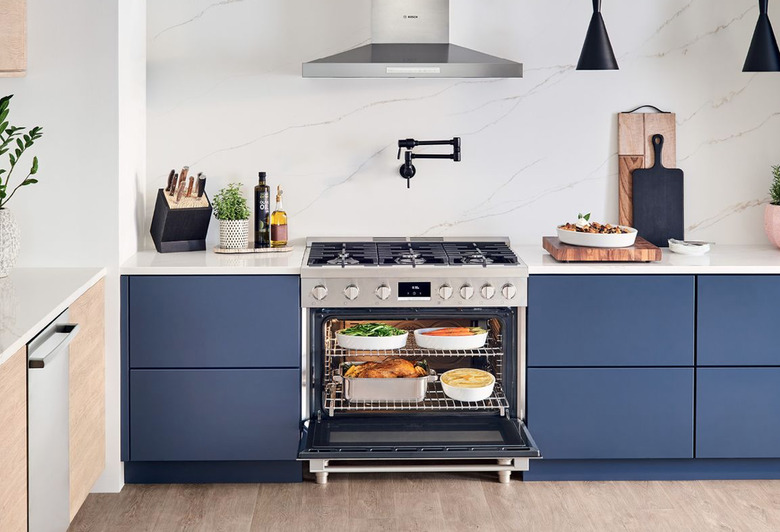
182	229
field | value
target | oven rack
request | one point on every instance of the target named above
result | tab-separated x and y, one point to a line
334	350
435	401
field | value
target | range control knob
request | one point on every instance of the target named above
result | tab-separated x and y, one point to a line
351	292
488	291
509	291
319	292
445	291
466	291
383	292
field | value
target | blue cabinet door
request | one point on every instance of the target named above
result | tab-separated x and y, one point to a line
215	414
610	320
214	321
608	413
738	319
738	413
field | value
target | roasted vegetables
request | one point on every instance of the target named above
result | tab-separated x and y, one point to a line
372	329
455	331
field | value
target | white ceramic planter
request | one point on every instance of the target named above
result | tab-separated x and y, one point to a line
10	240
772	224
233	234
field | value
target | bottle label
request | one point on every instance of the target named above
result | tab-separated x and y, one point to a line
279	233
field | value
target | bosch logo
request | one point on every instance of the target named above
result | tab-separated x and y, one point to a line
411	16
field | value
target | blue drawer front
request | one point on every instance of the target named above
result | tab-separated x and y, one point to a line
611	413
614	320
214	321
738	413
738	318
217	414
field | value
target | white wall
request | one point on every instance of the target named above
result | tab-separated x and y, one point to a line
86	86
225	96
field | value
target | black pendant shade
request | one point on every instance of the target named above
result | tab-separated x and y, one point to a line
763	55
597	51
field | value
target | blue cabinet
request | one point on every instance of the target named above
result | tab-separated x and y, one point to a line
211	378
611	413
214	414
738	413
611	320
214	321
738	318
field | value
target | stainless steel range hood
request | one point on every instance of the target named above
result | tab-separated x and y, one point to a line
410	39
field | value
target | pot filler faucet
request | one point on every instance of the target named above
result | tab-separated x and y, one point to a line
408	170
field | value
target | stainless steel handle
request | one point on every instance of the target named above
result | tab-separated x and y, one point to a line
63	335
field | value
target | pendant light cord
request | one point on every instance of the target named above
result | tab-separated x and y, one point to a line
650	106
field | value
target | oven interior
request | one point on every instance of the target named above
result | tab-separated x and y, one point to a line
437	425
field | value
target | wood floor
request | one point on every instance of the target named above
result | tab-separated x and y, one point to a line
434	502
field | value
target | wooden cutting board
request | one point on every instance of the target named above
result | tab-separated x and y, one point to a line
658	200
641	251
635	150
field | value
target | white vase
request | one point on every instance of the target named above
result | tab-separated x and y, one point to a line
9	242
772	223
233	234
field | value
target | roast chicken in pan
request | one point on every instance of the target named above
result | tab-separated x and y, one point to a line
391	368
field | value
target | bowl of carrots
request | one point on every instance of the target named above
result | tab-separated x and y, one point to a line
446	338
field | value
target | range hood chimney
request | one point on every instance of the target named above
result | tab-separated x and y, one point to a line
410	39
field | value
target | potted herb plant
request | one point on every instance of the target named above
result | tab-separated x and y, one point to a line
232	211
772	212
15	140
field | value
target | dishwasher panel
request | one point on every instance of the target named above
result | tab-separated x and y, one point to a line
48	427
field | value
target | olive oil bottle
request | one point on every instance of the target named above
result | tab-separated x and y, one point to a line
262	212
279	222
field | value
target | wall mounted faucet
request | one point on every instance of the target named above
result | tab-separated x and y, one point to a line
408	170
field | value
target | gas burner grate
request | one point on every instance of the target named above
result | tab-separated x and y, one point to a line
479	253
410	254
343	254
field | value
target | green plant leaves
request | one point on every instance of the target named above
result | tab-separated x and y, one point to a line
8	134
230	204
34	169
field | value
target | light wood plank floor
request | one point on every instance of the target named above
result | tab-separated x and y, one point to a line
434	502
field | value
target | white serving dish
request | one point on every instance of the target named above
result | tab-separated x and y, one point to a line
448	342
372	343
689	247
597	240
467	394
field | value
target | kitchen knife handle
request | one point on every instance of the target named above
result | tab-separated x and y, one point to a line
189	186
174	184
201	186
170	180
658	144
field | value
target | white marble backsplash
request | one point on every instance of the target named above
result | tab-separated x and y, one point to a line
226	97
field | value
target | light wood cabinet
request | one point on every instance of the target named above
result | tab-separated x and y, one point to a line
13	38
13	443
87	395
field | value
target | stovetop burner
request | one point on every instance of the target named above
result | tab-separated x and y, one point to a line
405	253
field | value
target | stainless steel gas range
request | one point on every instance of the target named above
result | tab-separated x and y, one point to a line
413	283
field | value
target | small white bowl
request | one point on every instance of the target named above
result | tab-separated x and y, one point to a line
372	343
689	247
467	394
425	341
598	240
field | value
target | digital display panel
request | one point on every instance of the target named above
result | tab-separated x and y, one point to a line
414	291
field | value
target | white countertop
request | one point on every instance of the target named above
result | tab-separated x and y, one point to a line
209	263
30	298
720	260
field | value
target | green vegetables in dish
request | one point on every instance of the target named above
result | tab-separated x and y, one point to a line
372	329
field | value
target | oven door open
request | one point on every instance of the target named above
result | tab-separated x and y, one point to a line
417	437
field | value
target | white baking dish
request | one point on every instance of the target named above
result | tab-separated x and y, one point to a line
372	343
446	343
598	240
467	394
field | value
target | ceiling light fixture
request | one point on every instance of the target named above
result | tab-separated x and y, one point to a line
763	55
597	51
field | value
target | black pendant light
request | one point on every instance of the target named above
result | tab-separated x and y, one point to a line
763	55
597	51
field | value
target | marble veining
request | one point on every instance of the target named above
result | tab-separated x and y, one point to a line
225	96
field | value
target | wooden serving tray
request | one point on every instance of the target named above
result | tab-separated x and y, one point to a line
641	251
